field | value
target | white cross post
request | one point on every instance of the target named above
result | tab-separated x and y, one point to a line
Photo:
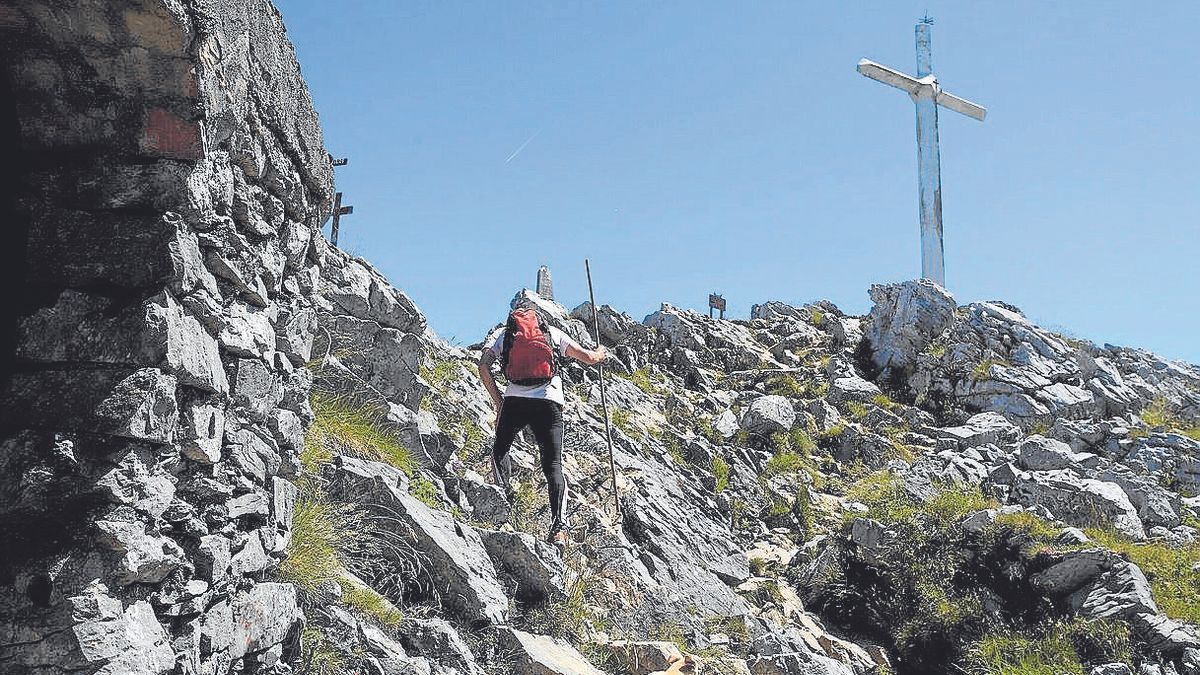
927	95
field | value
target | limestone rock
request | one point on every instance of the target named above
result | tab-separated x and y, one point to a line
458	561
768	415
263	617
544	655
904	320
531	563
1083	502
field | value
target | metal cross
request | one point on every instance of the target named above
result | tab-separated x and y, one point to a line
338	212
927	95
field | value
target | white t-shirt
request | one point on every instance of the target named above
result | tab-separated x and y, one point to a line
553	389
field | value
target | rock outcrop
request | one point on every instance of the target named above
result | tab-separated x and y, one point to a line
163	243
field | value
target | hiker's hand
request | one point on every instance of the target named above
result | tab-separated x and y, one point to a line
601	354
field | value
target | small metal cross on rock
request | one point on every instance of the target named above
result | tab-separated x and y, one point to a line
338	209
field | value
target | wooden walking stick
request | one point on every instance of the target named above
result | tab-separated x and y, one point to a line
612	467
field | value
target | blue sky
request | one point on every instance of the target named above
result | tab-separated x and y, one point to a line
689	147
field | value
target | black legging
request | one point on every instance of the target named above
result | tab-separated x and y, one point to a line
544	418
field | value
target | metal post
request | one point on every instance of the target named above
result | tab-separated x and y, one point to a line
929	169
612	466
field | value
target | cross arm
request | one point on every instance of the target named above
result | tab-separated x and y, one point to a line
894	78
961	105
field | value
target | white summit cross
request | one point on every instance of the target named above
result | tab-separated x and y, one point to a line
926	93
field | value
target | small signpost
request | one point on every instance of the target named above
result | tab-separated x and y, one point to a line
715	301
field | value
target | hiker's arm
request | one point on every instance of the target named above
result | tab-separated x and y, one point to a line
485	374
588	356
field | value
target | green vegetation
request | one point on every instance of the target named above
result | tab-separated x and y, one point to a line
320	655
786	385
857	410
784	463
371	603
322	533
884	401
984	368
833	432
527	503
674	450
1058	648
820	390
1160	416
818	317
793	455
623	420
440	373
342	427
669	631
426	492
643	379
937	350
1176	587
720	469
704	427
1026	523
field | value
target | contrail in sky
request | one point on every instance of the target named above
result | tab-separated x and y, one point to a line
518	150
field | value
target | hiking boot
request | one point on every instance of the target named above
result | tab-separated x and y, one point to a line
558	537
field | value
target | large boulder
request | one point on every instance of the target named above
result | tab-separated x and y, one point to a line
533	565
544	655
457	560
768	415
1038	453
905	319
1098	583
1083	502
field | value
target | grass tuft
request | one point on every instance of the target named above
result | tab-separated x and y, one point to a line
426	492
720	469
787	386
1055	648
1159	415
321	531
341	427
371	603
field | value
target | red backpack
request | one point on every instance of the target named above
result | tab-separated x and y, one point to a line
527	355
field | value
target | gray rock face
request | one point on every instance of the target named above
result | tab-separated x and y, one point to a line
437	640
768	415
797	662
458	561
1037	453
906	318
155	268
1083	502
263	617
532	564
544	655
1098	583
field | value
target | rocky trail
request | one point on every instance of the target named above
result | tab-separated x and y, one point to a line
927	488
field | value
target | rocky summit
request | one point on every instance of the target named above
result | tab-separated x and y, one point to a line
229	447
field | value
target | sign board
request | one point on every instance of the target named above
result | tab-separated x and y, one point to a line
715	301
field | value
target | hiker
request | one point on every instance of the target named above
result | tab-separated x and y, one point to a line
527	348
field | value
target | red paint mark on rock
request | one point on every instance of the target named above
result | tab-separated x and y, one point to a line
11	17
165	134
